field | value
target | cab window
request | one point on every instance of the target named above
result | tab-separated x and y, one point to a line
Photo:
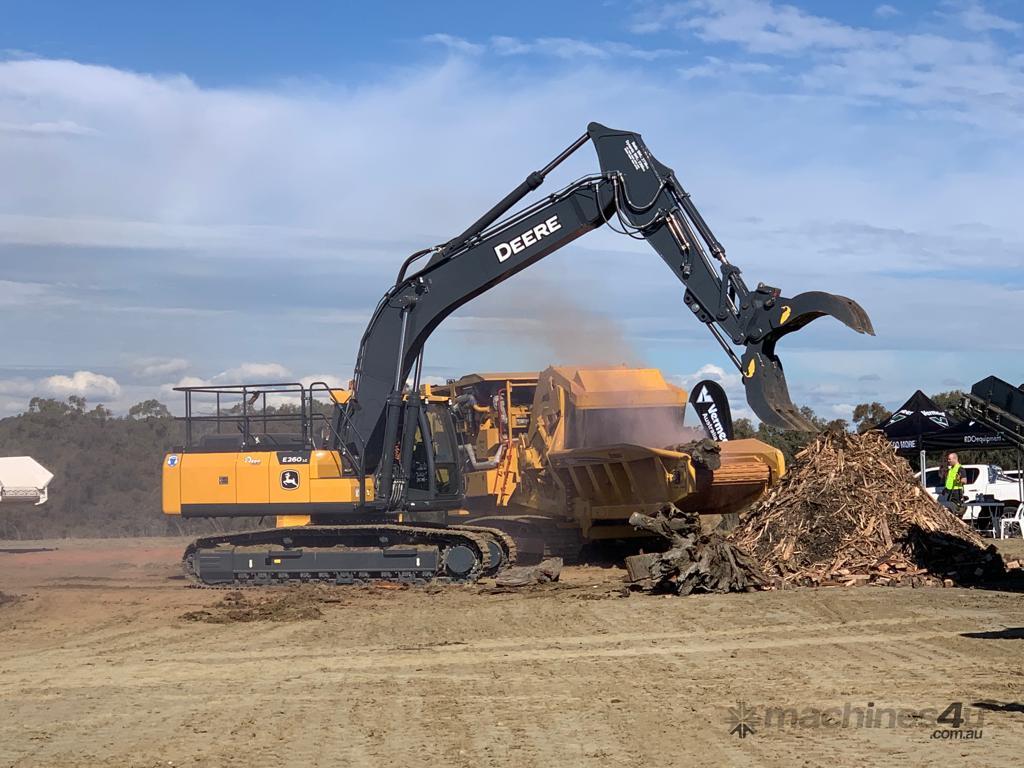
420	469
444	454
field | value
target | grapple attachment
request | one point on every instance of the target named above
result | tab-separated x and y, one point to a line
647	199
763	377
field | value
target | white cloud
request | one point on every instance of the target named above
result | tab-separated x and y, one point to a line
235	185
965	78
975	17
22	294
54	128
11	407
221	170
84	383
244	373
840	411
658	17
157	367
254	373
457	44
570	48
19	386
566	48
728	380
716	67
765	27
17	53
109	231
510	46
331	380
189	381
806	191
17	391
886	11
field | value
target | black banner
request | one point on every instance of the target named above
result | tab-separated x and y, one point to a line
712	406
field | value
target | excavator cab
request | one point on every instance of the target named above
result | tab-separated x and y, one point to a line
433	470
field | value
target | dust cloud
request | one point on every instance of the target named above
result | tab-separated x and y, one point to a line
566	332
654	427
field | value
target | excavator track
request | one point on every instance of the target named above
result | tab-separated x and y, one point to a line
348	554
504	540
535	536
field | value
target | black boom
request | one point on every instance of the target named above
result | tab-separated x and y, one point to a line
634	194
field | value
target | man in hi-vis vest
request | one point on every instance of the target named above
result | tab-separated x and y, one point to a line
953	492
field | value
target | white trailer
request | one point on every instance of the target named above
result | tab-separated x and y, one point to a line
23	480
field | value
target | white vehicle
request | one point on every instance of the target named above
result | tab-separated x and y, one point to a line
23	480
982	480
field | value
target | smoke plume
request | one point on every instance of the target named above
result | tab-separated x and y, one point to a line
564	331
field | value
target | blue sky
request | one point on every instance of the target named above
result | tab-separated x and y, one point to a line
221	191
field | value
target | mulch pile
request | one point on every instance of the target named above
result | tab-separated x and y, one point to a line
850	512
694	562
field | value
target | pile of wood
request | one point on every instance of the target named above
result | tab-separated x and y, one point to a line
694	562
849	512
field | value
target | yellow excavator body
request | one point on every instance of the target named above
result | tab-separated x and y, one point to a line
273	476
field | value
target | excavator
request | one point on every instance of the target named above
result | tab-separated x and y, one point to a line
373	488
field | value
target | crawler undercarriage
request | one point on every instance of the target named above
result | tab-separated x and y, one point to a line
348	554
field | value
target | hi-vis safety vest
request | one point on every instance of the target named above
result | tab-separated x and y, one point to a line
953	479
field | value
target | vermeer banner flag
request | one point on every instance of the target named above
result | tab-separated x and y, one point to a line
712	406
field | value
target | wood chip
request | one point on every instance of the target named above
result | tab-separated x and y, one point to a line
849	511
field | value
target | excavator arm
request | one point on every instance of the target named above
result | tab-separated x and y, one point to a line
634	194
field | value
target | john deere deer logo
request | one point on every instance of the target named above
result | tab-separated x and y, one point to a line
289	479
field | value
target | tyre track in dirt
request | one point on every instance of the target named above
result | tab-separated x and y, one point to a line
195	657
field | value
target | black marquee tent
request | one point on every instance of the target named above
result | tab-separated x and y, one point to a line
965	436
917	418
920	425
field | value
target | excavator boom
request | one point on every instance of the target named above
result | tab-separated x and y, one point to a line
634	194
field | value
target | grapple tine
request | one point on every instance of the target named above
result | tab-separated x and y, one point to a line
763	377
798	311
768	393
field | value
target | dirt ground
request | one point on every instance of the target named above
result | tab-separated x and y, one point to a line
108	659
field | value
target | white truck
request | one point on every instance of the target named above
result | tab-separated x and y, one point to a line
982	480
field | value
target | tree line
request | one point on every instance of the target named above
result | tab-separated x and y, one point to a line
107	468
